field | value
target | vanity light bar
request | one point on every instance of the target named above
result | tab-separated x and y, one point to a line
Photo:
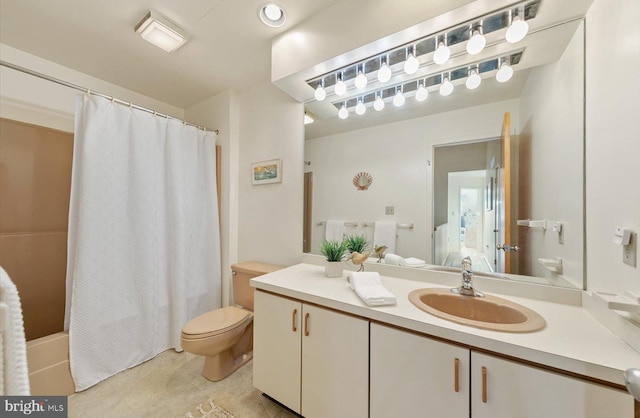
457	73
425	45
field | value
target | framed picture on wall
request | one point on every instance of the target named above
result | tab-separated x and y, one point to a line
266	172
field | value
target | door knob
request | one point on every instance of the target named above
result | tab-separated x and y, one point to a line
508	248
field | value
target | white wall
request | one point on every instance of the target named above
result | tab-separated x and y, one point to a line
612	140
270	215
335	159
221	112
33	100
552	166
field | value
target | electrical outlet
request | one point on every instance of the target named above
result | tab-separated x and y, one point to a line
388	210
629	252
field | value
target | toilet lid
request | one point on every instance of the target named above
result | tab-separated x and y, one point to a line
214	322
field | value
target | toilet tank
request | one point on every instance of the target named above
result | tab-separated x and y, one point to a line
242	273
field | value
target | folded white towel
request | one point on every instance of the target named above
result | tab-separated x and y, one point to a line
384	233
334	230
363	278
392	259
412	262
368	286
15	379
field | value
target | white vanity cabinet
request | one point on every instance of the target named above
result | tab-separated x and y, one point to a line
416	376
313	360
505	389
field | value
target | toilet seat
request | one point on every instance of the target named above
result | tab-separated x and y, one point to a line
215	322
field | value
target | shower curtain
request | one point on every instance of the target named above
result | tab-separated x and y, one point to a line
144	241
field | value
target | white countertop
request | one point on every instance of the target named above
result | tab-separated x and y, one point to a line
572	340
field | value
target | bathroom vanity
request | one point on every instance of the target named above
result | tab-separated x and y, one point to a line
319	350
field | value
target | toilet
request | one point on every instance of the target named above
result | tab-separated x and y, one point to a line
225	336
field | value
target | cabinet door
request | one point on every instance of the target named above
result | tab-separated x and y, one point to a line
414	376
335	364
276	348
515	390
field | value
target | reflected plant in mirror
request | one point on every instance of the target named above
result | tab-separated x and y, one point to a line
478	172
356	243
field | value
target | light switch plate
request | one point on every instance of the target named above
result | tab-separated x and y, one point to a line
388	210
629	252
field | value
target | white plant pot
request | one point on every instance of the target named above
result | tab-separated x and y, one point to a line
333	268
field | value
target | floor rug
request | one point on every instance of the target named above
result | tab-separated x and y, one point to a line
210	411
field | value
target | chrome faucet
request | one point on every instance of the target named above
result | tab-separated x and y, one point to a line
466	289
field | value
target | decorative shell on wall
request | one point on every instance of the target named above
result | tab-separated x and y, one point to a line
362	180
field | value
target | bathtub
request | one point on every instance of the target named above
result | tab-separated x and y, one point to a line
48	360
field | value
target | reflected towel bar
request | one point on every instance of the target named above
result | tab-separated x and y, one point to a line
351	224
400	226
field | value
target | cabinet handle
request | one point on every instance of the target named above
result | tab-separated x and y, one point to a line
306	324
484	384
456	384
293	320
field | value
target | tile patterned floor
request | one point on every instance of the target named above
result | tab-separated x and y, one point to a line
170	385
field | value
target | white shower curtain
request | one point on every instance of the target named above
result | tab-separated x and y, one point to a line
144	240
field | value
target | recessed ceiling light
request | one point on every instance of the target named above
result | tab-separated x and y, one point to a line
159	31
308	118
272	15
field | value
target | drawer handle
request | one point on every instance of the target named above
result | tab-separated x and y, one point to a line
456	384
306	324
484	384
293	320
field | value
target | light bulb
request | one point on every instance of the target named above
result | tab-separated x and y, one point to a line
474	80
411	65
340	88
476	43
446	88
517	31
273	12
320	94
442	54
504	74
398	99
361	80
378	104
384	73
343	113
422	93
361	109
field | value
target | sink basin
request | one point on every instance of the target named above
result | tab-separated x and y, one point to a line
489	312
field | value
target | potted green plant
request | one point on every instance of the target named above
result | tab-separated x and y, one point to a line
356	243
334	252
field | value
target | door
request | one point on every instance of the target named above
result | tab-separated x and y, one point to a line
308	208
510	389
504	197
276	348
335	364
415	376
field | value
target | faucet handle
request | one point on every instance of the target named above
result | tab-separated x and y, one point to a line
466	263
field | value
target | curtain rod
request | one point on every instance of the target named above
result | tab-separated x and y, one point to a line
89	91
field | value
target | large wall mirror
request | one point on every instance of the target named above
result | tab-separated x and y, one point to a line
479	173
